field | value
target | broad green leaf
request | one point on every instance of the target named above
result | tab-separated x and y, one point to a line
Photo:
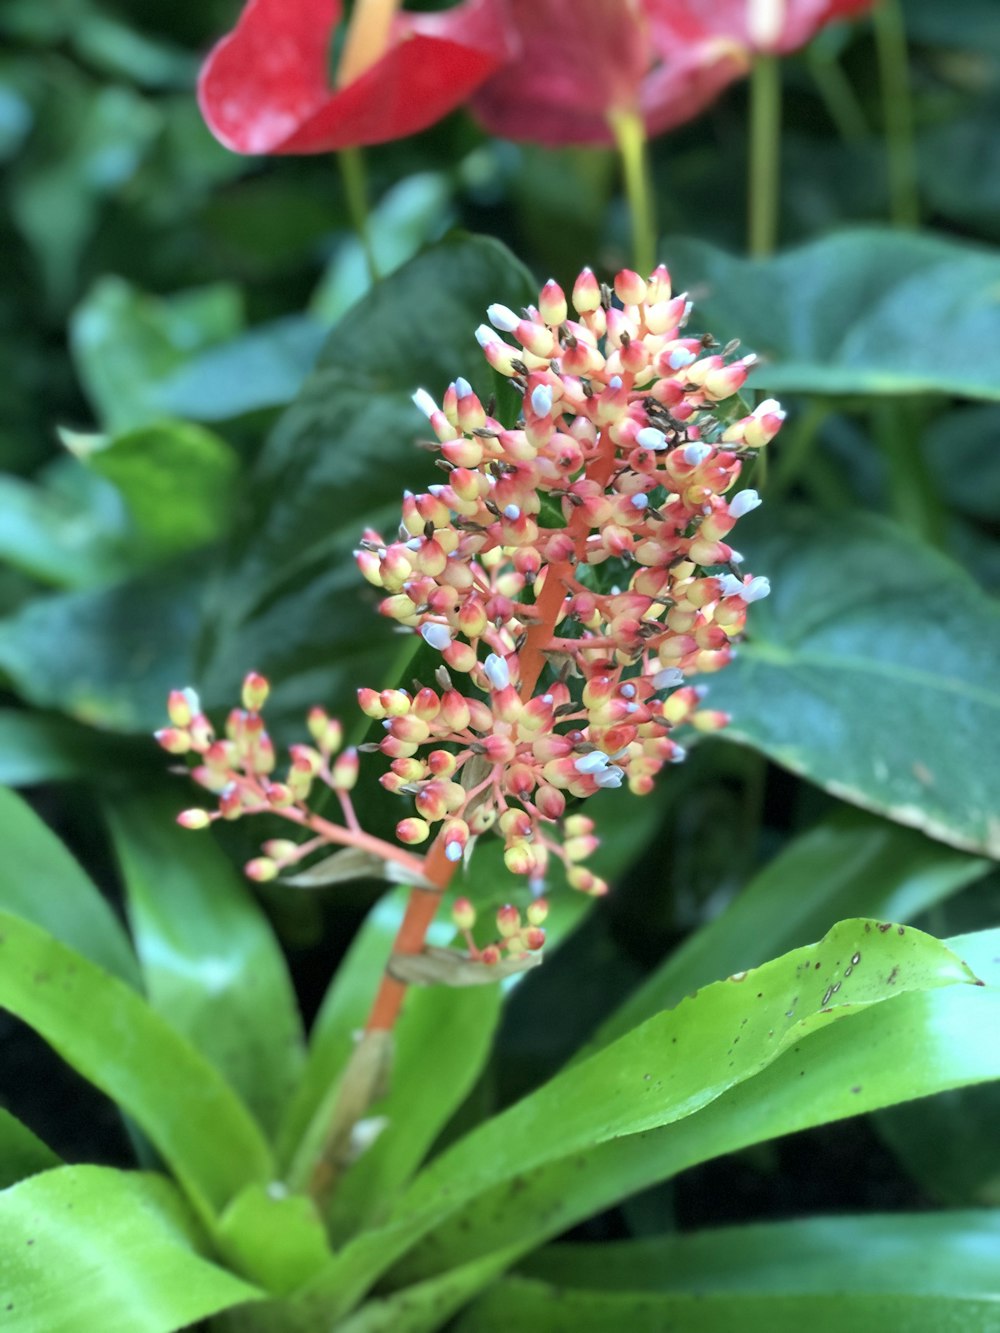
22	1153
921	1043
89	144
264	367
969	26
120	650
520	1303
849	313
293	602
959	161
723	1034
413	212
443	1040
43	747
86	1247
211	964
948	1253
273	1237
53	540
866	671
177	479
666	1070
41	882
111	1036
425	1307
126	344
850	865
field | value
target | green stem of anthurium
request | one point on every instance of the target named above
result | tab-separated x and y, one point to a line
897	112
630	137
764	176
352	170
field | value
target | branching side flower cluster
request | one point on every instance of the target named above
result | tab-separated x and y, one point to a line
572	572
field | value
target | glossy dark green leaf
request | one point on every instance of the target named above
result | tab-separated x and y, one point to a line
22	1153
177	479
948	1253
41	882
860	311
48	537
111	1036
89	144
43	747
520	1303
918	1044
120	650
86	1247
293	603
969	26
412	213
264	367
665	1071
210	960
867	671
959	163
850	865
962	451
126	344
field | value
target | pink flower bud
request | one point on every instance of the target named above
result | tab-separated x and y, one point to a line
586	293
256	688
413	830
173	740
463	914
552	303
182	705
630	288
344	773
537	912
508	921
194	819
261	869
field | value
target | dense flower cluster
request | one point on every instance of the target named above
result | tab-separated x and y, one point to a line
572	571
576	673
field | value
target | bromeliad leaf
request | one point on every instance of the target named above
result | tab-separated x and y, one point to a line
88	1247
919	1044
111	1036
852	863
212	965
663	1072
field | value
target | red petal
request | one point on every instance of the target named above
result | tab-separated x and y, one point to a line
265	87
579	58
795	21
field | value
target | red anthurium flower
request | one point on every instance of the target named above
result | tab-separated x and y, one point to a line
584	62
266	87
764	26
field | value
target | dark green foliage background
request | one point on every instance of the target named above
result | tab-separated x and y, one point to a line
203	403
